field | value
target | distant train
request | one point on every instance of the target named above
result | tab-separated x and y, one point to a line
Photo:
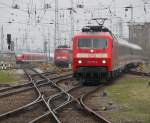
98	53
28	57
63	56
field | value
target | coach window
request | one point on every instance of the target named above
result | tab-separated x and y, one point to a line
131	50
114	40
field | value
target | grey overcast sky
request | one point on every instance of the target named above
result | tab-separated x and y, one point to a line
37	27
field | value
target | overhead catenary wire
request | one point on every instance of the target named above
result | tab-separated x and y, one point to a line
39	15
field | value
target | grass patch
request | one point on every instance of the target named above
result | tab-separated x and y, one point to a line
7	77
132	95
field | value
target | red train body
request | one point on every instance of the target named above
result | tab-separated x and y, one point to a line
62	57
102	54
27	57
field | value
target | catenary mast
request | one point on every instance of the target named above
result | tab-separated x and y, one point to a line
56	35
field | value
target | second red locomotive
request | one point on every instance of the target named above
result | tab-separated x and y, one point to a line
63	56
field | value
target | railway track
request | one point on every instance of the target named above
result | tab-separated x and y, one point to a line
67	104
80	112
25	87
73	109
22	89
73	102
91	111
25	108
51	75
54	106
99	110
12	101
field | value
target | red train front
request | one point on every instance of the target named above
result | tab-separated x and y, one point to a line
62	56
97	53
92	54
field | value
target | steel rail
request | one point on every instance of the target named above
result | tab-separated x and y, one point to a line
70	98
20	108
69	101
7	113
50	110
41	83
27	105
65	103
103	119
57	95
48	113
61	89
34	84
28	84
22	89
42	97
45	73
39	99
14	87
40	117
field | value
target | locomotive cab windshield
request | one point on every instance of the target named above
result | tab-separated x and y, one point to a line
92	43
63	51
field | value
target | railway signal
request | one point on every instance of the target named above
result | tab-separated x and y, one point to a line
9	47
9	41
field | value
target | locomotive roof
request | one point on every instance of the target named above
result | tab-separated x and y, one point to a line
68	48
27	52
33	53
107	34
93	34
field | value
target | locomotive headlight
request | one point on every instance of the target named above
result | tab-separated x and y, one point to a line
19	55
104	61
58	57
64	57
79	61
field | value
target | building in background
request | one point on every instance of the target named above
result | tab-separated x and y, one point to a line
139	33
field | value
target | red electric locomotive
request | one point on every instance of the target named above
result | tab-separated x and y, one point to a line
62	56
97	53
